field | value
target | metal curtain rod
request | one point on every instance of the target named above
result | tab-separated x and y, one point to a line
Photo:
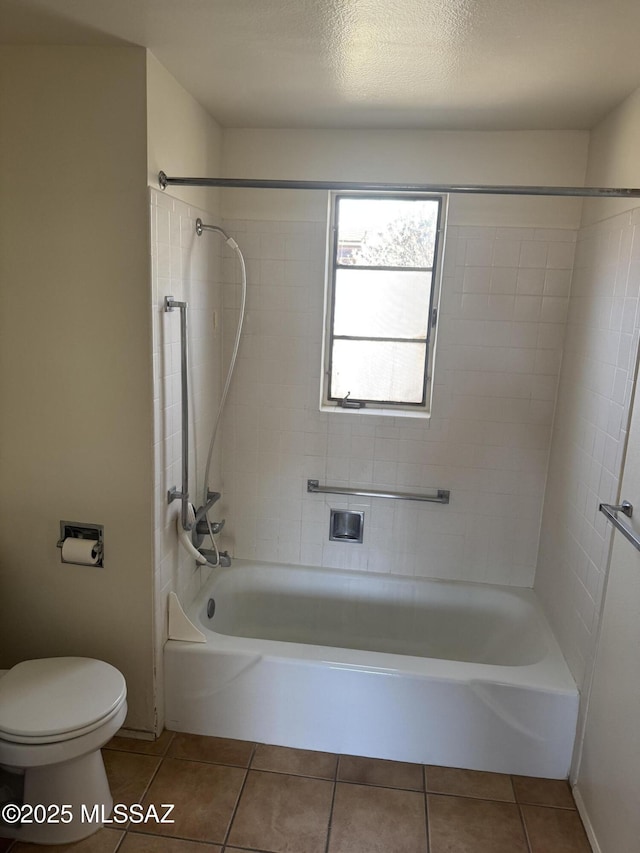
346	186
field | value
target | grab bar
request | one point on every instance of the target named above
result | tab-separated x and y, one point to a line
169	304
441	496
627	509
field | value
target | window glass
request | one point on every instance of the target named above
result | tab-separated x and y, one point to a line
381	303
382	274
387	232
379	370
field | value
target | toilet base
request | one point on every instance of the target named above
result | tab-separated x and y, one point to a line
80	784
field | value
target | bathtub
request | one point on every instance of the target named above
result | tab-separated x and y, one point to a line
433	672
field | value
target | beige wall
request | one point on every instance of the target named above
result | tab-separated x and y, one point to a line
182	138
613	159
419	156
75	349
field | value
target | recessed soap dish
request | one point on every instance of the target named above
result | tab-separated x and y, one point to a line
346	525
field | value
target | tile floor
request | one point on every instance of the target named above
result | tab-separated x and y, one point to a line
232	796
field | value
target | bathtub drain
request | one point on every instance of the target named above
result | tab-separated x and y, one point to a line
211	608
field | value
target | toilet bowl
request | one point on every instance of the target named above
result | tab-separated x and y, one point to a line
55	715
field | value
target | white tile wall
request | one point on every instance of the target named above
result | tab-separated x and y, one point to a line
502	317
589	435
189	268
504	309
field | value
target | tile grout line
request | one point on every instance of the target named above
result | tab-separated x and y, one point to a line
237	805
470	797
524	829
426	807
336	773
254	749
161	756
158	837
520	815
121	841
307	776
333	800
146	789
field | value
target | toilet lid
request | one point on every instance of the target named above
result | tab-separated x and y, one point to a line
54	696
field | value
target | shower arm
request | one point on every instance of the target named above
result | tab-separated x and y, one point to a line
201	227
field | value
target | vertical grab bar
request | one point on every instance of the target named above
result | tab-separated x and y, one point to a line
169	304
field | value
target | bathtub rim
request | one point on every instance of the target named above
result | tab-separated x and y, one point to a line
550	674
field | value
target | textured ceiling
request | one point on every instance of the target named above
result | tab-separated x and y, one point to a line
481	64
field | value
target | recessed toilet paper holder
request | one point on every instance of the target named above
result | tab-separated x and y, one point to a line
81	530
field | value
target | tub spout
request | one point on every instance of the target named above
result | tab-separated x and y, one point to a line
223	558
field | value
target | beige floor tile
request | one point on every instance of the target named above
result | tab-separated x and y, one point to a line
102	841
543	792
297	762
204	796
217	750
129	774
469	783
145	747
464	825
555	830
282	813
139	843
374	771
377	820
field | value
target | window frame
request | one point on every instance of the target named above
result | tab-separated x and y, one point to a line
376	407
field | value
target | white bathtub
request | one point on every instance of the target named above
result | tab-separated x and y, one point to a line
456	674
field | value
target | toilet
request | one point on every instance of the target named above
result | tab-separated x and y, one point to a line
55	715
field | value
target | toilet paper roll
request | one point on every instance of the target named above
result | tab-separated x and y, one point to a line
83	551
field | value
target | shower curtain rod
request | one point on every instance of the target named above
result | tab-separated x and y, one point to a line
346	186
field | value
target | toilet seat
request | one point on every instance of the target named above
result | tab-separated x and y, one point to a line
52	700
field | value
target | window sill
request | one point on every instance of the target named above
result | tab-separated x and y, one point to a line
369	409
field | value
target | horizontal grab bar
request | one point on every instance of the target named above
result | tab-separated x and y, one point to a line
441	496
611	513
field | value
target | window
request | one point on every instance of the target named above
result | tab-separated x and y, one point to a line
383	274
